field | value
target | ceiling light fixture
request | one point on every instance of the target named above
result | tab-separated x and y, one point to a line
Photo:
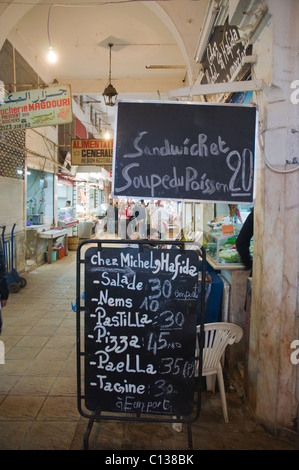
52	57
110	93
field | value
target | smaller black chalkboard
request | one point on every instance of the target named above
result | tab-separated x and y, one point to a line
195	151
141	308
223	55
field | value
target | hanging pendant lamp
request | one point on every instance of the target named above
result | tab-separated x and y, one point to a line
110	93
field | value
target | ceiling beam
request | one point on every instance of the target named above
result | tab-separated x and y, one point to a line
215	88
128	85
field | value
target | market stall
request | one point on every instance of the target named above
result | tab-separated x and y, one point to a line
220	242
52	236
223	257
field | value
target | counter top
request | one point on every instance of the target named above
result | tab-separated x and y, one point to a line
224	266
53	233
39	228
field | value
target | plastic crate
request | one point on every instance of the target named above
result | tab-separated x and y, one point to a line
54	255
60	252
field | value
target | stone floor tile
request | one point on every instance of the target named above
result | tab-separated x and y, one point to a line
34	341
48	322
15	432
52	354
59	408
65	386
45	368
47	435
14	366
22	352
7	382
61	342
10	341
30	385
41	330
66	330
15	329
20	408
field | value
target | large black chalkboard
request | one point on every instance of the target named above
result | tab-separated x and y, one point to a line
141	307
193	151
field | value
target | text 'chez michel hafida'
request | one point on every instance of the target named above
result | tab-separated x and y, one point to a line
154	264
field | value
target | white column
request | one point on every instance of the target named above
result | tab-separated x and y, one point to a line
274	318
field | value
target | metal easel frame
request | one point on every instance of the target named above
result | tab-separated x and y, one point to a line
97	415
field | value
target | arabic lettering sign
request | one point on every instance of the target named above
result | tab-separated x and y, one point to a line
35	108
92	151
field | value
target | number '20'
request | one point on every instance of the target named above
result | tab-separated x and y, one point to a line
240	163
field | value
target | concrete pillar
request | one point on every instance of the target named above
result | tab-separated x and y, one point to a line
272	378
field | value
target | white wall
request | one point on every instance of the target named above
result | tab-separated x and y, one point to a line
12	204
12	212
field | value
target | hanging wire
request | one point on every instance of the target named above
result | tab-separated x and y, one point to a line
269	165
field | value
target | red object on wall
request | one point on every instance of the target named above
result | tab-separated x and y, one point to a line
80	130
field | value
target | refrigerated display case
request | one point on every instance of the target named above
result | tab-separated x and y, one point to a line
67	217
221	250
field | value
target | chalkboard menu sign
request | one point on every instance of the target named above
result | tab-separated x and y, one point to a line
224	54
141	308
194	151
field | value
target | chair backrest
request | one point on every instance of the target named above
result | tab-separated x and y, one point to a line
217	337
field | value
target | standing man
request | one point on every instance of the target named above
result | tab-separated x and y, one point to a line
140	216
243	241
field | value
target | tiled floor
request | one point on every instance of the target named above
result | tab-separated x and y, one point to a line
38	396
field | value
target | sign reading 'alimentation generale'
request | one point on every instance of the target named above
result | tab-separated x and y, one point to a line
194	151
92	151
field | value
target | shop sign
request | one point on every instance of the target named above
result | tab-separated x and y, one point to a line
185	151
141	309
35	108
224	55
92	152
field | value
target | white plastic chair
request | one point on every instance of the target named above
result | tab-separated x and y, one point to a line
217	337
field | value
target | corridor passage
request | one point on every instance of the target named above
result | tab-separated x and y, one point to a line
38	395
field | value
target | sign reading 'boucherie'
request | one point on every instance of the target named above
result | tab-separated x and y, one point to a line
194	151
92	151
140	329
35	108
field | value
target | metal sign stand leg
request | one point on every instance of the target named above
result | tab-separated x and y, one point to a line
92	420
87	433
189	434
